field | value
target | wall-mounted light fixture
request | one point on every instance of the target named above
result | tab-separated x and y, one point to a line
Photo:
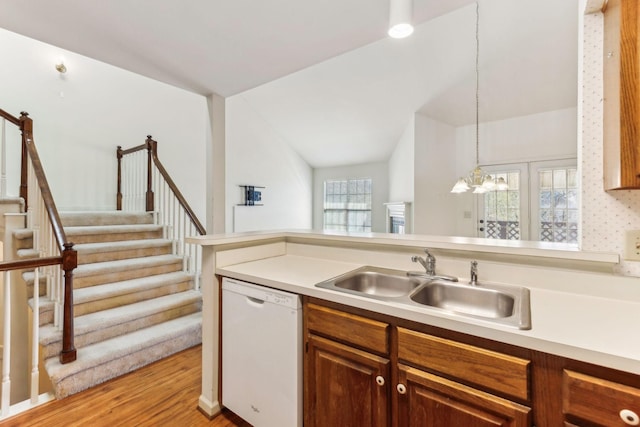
400	12
61	68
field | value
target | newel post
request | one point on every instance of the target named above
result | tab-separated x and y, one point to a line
119	193
151	147
26	128
69	263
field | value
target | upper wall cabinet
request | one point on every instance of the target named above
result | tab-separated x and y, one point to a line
621	95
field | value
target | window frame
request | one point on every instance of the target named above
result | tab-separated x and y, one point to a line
348	207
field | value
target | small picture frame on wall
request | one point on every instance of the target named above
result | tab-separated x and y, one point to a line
251	195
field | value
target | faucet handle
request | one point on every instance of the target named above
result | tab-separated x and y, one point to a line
473	276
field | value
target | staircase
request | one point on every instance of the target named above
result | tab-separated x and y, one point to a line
133	302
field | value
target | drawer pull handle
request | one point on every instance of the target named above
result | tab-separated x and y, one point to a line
630	417
380	380
401	389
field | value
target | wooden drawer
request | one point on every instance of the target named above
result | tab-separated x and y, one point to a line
596	400
485	368
357	330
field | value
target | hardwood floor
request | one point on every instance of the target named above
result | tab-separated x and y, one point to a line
164	393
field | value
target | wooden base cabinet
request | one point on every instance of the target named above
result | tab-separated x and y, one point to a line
348	387
428	400
354	376
368	369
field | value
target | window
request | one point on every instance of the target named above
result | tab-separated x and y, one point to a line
502	209
347	205
556	207
553	204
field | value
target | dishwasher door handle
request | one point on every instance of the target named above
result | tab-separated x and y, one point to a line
255	301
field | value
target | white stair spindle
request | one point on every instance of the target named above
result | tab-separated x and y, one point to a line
6	347
35	369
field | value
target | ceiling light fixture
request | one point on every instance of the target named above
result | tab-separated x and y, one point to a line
400	12
61	68
477	180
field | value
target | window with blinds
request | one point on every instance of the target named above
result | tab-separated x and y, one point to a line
347	205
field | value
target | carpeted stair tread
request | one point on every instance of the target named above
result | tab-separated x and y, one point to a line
27	253
112	233
124	265
110	229
117	250
85	218
102	361
23	233
129	293
119	245
106	319
109	290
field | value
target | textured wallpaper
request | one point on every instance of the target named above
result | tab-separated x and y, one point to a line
605	216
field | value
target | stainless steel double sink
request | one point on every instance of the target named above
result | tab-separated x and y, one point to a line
501	304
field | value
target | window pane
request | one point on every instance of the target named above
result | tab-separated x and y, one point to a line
347	205
502	208
560	178
558	205
546	179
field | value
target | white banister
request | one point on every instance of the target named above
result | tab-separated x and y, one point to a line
35	338
6	347
169	212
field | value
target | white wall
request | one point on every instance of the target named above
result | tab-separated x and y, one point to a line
257	155
379	174
434	205
82	116
401	166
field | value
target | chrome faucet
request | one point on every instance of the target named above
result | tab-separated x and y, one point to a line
474	274
429	265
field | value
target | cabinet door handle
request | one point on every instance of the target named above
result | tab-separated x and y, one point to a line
629	417
380	380
401	388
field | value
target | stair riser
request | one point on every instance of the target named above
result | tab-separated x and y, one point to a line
26	243
90	258
72	384
42	289
82	340
107	303
80	219
114	237
117	276
46	311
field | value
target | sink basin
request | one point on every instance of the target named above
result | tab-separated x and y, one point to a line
376	283
467	299
497	304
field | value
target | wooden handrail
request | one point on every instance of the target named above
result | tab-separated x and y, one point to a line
68	259
50	206
11	118
152	148
30	263
174	188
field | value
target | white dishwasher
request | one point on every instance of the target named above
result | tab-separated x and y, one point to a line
261	354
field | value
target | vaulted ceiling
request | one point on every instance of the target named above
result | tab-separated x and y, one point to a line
324	74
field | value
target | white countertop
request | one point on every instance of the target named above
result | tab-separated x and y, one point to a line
594	329
518	248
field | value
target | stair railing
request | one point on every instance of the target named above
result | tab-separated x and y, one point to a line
145	185
55	256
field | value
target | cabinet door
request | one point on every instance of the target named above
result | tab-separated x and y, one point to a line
344	386
427	400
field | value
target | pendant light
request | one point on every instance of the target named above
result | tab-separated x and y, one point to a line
477	180
400	12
